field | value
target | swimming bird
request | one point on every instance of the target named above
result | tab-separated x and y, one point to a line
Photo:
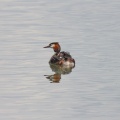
60	58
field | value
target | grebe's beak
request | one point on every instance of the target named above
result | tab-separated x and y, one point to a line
47	46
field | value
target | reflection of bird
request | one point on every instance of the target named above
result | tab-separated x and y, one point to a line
54	78
60	58
58	71
61	69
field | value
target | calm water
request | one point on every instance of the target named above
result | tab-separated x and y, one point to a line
89	30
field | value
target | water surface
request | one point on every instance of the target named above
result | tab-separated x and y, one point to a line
89	30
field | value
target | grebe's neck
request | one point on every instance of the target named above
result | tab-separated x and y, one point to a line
57	48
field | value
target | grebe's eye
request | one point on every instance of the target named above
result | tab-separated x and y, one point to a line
52	45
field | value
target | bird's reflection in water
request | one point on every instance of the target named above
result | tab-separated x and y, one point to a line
55	78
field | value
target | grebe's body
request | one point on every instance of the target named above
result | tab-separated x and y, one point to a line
60	58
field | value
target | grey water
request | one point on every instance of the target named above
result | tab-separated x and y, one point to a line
89	30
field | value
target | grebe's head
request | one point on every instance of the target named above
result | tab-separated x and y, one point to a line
55	45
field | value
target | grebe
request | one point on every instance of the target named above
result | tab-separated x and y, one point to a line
60	58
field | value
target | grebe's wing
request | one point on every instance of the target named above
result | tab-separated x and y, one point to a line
54	59
65	54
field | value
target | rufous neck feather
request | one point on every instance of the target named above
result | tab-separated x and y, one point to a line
57	48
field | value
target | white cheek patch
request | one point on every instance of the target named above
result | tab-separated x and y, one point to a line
52	46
